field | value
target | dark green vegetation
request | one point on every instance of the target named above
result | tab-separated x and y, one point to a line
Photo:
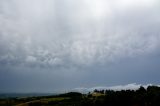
140	97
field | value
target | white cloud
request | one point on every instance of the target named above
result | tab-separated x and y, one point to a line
132	86
64	31
31	59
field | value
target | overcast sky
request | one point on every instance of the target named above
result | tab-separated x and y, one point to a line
57	45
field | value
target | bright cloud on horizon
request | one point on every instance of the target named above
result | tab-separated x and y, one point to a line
132	86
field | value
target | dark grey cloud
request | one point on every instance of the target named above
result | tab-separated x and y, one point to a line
64	44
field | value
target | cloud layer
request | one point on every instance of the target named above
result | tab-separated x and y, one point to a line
55	32
76	38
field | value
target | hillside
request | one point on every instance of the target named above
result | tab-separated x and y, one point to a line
140	97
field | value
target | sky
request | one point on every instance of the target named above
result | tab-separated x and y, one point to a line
60	45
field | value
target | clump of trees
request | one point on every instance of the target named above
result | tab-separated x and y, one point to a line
140	97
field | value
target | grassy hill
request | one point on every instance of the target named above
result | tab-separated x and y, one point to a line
140	97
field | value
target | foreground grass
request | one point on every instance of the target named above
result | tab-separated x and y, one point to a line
44	101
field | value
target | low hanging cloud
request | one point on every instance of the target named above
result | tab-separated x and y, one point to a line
79	32
132	86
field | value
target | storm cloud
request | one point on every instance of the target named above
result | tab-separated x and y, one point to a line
64	44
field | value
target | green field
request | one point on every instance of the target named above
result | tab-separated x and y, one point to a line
44	101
